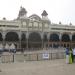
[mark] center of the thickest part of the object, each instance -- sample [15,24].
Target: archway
[11,36]
[35,40]
[54,39]
[65,40]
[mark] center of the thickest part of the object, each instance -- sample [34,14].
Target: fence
[21,57]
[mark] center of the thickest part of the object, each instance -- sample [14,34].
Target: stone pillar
[70,40]
[3,36]
[60,35]
[42,39]
[27,36]
[60,38]
[27,33]
[70,37]
[20,39]
[48,37]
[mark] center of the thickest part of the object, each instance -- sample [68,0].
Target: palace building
[36,32]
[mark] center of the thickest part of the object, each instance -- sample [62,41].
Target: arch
[34,16]
[12,36]
[23,37]
[54,37]
[73,37]
[34,40]
[65,38]
[1,39]
[34,37]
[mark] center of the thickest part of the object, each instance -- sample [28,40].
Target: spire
[44,13]
[45,17]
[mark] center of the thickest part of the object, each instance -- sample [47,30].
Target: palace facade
[36,32]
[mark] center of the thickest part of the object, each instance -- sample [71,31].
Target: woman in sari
[70,56]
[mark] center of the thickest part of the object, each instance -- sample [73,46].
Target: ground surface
[51,67]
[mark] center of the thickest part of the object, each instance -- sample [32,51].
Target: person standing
[74,55]
[67,55]
[70,56]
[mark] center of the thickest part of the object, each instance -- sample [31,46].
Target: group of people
[70,55]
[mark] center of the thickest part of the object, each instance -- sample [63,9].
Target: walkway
[51,67]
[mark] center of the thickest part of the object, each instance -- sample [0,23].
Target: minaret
[22,13]
[44,15]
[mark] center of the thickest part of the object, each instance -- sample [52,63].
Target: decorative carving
[34,17]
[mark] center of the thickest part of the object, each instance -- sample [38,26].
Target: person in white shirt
[74,54]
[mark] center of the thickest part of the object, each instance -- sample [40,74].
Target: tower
[22,13]
[44,15]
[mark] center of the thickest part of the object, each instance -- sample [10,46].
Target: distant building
[35,32]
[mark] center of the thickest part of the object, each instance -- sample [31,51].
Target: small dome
[44,13]
[22,11]
[70,23]
[4,18]
[59,22]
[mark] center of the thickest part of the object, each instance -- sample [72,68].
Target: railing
[21,57]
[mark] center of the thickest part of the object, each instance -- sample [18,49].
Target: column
[48,39]
[60,36]
[27,36]
[20,40]
[42,39]
[70,40]
[70,37]
[3,36]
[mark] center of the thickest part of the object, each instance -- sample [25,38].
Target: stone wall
[31,57]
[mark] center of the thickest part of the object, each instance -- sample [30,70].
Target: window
[40,25]
[35,24]
[46,25]
[30,24]
[24,24]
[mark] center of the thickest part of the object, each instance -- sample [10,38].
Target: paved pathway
[51,67]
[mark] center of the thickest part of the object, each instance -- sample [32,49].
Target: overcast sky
[58,10]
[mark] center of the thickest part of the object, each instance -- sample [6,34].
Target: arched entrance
[12,37]
[34,40]
[65,40]
[54,40]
